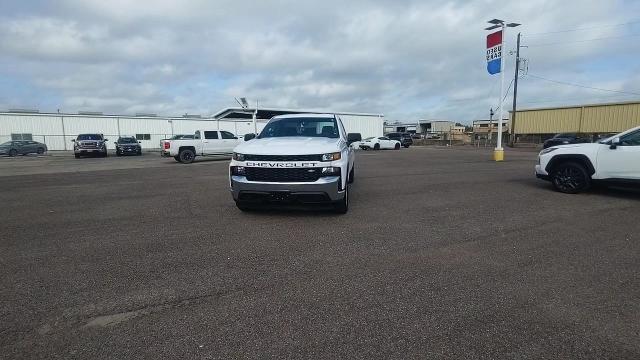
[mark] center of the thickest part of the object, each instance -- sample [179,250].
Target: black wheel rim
[569,179]
[186,156]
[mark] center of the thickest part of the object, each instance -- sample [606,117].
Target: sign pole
[498,153]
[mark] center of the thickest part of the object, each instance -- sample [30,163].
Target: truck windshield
[301,127]
[89,137]
[127,141]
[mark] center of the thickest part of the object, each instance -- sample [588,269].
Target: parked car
[566,138]
[379,143]
[404,138]
[128,145]
[22,147]
[204,143]
[572,168]
[90,144]
[302,158]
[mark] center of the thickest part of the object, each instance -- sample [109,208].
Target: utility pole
[512,139]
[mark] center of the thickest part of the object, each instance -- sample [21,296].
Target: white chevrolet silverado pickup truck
[203,143]
[572,168]
[296,159]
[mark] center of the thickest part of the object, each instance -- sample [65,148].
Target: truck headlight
[331,156]
[238,156]
[238,170]
[330,171]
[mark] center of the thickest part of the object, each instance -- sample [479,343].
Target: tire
[77,156]
[352,175]
[397,147]
[186,156]
[570,178]
[139,152]
[118,153]
[40,151]
[106,154]
[13,152]
[376,147]
[342,206]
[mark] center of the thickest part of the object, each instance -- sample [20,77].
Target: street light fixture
[498,153]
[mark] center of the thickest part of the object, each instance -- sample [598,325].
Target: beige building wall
[598,118]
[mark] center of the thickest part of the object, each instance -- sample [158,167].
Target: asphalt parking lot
[443,254]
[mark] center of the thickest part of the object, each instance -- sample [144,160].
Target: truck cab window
[210,135]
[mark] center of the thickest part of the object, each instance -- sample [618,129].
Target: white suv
[572,168]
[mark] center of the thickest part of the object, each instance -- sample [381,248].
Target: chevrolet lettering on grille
[270,164]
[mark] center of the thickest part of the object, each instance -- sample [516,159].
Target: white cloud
[409,60]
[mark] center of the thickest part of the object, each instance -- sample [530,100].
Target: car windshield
[89,137]
[8,143]
[301,127]
[127,140]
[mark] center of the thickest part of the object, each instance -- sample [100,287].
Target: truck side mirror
[614,143]
[353,137]
[248,137]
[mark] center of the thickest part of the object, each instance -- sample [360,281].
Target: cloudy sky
[406,59]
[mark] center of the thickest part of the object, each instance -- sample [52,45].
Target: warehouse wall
[603,118]
[57,131]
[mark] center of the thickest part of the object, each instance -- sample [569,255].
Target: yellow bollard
[498,155]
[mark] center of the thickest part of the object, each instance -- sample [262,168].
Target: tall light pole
[498,153]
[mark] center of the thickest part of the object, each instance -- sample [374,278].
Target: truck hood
[289,146]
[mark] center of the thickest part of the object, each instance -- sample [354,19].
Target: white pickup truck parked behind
[298,159]
[204,143]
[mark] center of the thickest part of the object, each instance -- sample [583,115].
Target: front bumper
[325,189]
[89,151]
[541,173]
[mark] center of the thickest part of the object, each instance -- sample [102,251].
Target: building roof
[579,106]
[267,113]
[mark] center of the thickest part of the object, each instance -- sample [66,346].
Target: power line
[582,29]
[583,86]
[506,93]
[584,41]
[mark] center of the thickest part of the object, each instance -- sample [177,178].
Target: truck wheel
[570,178]
[352,175]
[342,206]
[40,151]
[186,156]
[397,147]
[376,147]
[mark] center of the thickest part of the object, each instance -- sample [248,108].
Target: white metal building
[57,129]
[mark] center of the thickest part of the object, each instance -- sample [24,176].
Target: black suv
[128,145]
[404,138]
[566,138]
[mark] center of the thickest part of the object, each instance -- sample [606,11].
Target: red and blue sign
[494,52]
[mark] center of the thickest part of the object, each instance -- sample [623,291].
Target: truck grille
[283,157]
[283,175]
